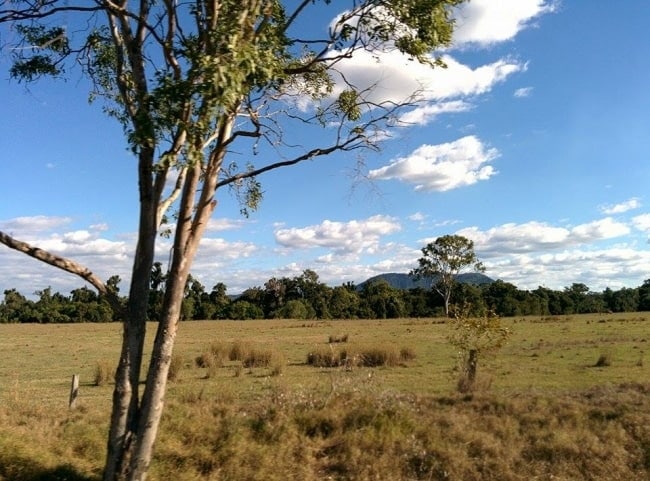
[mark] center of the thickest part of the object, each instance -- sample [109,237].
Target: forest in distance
[306,297]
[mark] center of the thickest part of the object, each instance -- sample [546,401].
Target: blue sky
[534,143]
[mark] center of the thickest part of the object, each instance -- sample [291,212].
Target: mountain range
[405,281]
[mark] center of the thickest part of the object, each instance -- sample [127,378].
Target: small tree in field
[443,259]
[192,82]
[475,337]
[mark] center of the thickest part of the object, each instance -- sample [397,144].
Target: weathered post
[74,391]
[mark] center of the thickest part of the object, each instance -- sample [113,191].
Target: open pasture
[568,373]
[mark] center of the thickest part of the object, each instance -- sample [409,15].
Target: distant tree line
[306,297]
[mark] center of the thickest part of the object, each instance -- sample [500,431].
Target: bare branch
[65,264]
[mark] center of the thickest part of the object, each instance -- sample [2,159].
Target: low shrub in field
[257,358]
[604,360]
[104,373]
[324,357]
[373,356]
[336,339]
[239,350]
[379,356]
[175,367]
[407,354]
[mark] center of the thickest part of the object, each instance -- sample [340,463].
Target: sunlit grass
[546,405]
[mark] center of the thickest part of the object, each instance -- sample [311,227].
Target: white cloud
[223,224]
[425,114]
[540,237]
[485,22]
[396,79]
[642,222]
[417,217]
[21,226]
[344,237]
[630,204]
[597,268]
[442,167]
[606,228]
[523,92]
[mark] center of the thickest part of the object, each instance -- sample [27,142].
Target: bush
[239,351]
[604,360]
[379,356]
[325,357]
[257,358]
[104,373]
[175,367]
[336,339]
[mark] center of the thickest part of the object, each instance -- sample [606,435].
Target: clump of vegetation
[326,357]
[175,367]
[239,350]
[104,373]
[257,358]
[334,339]
[474,337]
[372,356]
[604,360]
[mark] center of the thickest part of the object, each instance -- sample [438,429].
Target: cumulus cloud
[442,167]
[343,237]
[630,204]
[539,236]
[597,268]
[390,77]
[20,226]
[486,22]
[425,114]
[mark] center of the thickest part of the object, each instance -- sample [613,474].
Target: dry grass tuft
[338,339]
[104,373]
[604,360]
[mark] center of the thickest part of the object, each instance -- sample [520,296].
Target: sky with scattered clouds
[533,142]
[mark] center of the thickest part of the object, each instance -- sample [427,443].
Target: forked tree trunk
[138,450]
[126,402]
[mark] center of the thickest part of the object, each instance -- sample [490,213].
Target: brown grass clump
[104,373]
[372,356]
[175,367]
[338,339]
[604,360]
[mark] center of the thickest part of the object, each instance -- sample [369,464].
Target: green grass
[551,409]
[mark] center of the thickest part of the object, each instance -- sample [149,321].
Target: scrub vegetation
[246,404]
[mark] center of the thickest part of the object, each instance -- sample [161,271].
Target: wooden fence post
[74,391]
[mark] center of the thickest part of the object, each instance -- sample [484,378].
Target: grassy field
[566,398]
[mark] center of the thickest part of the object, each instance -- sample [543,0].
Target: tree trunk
[189,230]
[125,412]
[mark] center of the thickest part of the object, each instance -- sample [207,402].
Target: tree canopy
[443,259]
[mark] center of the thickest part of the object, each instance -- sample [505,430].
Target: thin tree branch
[65,264]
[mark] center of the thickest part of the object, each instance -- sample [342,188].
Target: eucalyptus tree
[443,259]
[191,82]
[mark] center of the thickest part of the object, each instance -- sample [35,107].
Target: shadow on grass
[17,468]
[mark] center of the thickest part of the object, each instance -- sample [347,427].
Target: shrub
[604,360]
[379,356]
[336,339]
[324,357]
[277,364]
[407,354]
[175,367]
[104,373]
[257,358]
